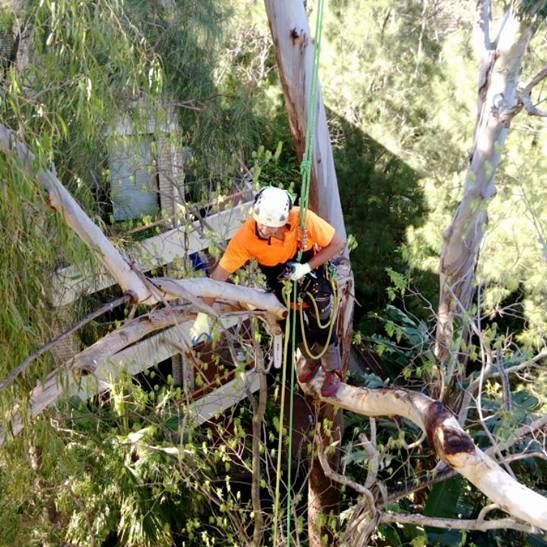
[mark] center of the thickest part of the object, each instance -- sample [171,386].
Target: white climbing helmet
[271,207]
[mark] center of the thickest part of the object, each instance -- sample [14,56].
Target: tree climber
[273,237]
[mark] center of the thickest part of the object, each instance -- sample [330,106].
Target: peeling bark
[294,53]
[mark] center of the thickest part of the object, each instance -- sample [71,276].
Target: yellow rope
[286,293]
[330,323]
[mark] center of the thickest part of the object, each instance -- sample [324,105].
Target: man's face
[266,232]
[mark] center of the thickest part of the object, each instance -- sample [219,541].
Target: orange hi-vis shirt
[246,244]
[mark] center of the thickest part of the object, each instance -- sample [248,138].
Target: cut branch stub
[446,441]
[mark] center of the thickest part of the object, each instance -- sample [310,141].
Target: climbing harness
[329,323]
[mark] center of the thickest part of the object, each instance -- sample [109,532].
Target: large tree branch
[130,279]
[227,292]
[443,472]
[525,92]
[61,201]
[450,442]
[482,27]
[87,362]
[64,380]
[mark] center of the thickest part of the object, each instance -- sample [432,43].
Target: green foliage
[83,60]
[87,60]
[408,82]
[400,111]
[120,470]
[381,199]
[32,242]
[535,11]
[443,501]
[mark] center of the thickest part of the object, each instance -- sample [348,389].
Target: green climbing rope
[313,107]
[305,171]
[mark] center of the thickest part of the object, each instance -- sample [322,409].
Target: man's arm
[326,253]
[298,271]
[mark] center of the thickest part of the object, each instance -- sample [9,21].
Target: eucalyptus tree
[415,98]
[292,39]
[69,71]
[447,437]
[449,442]
[501,95]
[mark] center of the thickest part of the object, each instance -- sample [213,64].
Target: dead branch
[456,524]
[450,442]
[74,328]
[209,288]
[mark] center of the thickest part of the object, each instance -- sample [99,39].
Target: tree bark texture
[497,99]
[294,53]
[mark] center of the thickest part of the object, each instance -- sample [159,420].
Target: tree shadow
[381,198]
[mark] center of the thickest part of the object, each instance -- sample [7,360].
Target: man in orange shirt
[273,237]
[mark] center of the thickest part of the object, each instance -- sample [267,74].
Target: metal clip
[278,350]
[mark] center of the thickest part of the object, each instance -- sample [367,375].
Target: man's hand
[298,271]
[201,329]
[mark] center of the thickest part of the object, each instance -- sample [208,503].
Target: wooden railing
[70,283]
[151,253]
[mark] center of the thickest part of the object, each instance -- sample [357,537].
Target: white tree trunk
[294,52]
[497,100]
